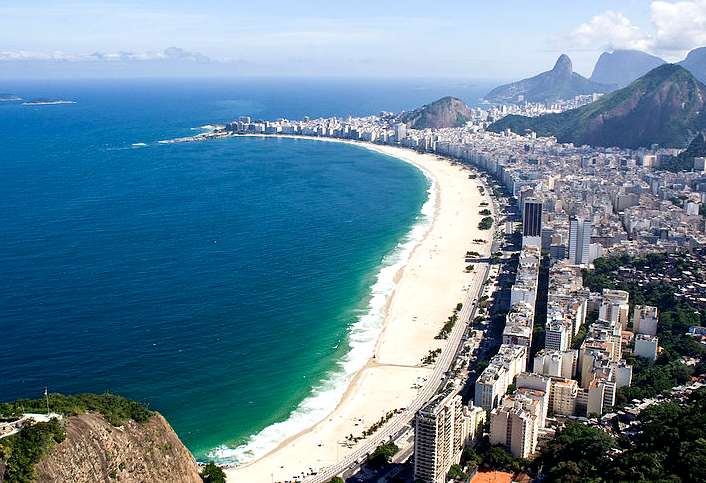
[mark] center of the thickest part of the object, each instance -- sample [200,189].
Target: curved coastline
[363,337]
[427,287]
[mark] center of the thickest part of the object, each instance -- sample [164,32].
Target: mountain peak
[559,83]
[622,66]
[666,71]
[666,106]
[447,100]
[563,65]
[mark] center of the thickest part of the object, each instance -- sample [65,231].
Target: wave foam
[362,339]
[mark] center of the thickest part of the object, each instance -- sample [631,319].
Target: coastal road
[448,355]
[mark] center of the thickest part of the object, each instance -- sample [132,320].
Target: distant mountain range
[621,67]
[612,71]
[695,63]
[559,83]
[666,106]
[442,113]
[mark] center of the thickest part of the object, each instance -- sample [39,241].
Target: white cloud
[607,31]
[169,54]
[677,27]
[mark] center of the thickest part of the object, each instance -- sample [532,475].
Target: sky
[502,39]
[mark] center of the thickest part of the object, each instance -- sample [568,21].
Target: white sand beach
[429,286]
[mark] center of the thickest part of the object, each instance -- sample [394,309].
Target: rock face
[667,106]
[695,63]
[621,67]
[559,83]
[444,112]
[94,450]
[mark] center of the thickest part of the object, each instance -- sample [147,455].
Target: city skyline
[317,39]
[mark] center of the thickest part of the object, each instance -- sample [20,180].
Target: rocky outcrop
[96,451]
[442,113]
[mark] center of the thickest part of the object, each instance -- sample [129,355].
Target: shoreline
[405,247]
[427,286]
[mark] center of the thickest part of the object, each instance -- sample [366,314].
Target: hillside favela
[322,243]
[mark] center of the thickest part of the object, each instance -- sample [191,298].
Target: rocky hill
[99,438]
[442,113]
[559,83]
[621,67]
[95,450]
[695,62]
[667,106]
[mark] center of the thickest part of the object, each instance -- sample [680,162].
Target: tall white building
[439,436]
[554,363]
[645,319]
[579,241]
[535,386]
[493,382]
[615,306]
[400,132]
[515,424]
[563,396]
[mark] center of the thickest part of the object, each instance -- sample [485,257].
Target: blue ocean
[233,285]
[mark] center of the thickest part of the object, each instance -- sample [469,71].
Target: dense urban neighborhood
[603,312]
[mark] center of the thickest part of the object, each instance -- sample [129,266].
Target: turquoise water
[227,284]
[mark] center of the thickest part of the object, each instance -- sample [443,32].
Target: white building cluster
[516,419]
[511,359]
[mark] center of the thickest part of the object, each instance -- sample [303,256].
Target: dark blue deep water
[215,281]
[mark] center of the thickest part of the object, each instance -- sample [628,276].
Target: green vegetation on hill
[23,450]
[666,106]
[668,446]
[685,160]
[115,409]
[577,453]
[697,147]
[652,378]
[671,446]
